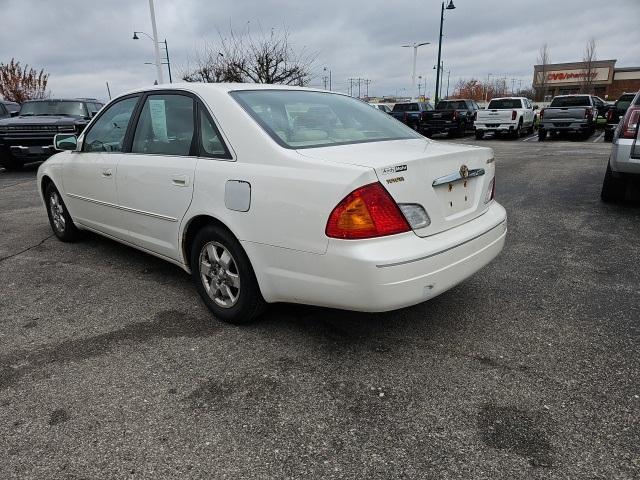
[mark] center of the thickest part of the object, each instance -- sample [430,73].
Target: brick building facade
[603,79]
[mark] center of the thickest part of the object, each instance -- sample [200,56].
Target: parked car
[12,107]
[510,115]
[569,114]
[454,117]
[615,113]
[381,106]
[264,199]
[29,136]
[412,114]
[624,162]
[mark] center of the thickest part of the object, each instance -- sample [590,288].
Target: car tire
[542,135]
[59,218]
[517,132]
[608,135]
[613,189]
[224,277]
[11,163]
[479,134]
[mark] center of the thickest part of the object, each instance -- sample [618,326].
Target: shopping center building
[607,81]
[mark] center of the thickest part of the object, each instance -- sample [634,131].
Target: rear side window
[165,126]
[505,103]
[406,107]
[577,101]
[211,140]
[108,132]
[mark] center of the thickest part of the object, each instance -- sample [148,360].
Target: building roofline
[596,63]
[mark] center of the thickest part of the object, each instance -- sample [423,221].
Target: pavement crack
[14,184]
[26,249]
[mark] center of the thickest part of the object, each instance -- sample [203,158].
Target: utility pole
[351,86]
[367,82]
[448,77]
[156,47]
[324,79]
[359,84]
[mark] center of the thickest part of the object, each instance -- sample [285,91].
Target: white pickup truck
[512,115]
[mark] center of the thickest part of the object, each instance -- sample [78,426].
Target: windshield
[305,119]
[75,109]
[578,101]
[451,106]
[406,107]
[504,104]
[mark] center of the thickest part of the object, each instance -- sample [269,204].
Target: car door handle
[107,172]
[180,180]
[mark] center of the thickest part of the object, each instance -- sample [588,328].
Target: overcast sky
[84,43]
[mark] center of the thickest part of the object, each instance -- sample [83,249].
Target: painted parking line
[598,138]
[528,139]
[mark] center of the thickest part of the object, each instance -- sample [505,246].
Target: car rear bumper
[380,274]
[620,159]
[499,127]
[566,126]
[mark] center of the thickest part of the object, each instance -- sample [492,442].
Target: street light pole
[166,49]
[415,56]
[156,47]
[451,6]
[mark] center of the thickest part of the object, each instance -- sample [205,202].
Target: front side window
[166,126]
[107,133]
[306,119]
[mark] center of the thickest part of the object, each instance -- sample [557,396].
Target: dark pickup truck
[29,136]
[453,117]
[412,114]
[615,113]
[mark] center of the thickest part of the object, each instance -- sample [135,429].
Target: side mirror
[65,141]
[535,107]
[93,114]
[15,114]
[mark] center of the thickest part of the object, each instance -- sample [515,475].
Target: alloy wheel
[219,274]
[57,212]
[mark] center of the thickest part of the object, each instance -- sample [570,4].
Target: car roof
[509,98]
[197,87]
[63,100]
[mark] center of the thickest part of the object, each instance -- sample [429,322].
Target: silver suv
[624,162]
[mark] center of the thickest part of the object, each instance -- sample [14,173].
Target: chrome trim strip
[456,177]
[442,251]
[126,209]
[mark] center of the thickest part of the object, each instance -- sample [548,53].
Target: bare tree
[543,61]
[266,58]
[18,84]
[589,59]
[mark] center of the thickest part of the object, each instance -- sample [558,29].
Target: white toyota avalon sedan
[278,194]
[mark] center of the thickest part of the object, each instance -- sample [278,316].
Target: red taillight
[588,112]
[455,114]
[366,212]
[541,113]
[630,122]
[609,115]
[514,114]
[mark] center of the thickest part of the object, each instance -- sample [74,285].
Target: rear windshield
[624,102]
[406,107]
[74,109]
[504,103]
[459,105]
[578,101]
[306,119]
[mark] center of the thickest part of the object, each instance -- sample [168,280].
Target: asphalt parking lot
[111,367]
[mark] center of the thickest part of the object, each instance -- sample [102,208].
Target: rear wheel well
[195,224]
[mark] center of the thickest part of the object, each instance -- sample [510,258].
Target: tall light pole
[415,55]
[451,6]
[486,88]
[156,47]
[166,49]
[328,70]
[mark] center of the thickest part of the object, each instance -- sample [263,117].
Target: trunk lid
[495,116]
[426,173]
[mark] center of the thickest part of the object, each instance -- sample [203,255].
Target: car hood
[42,120]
